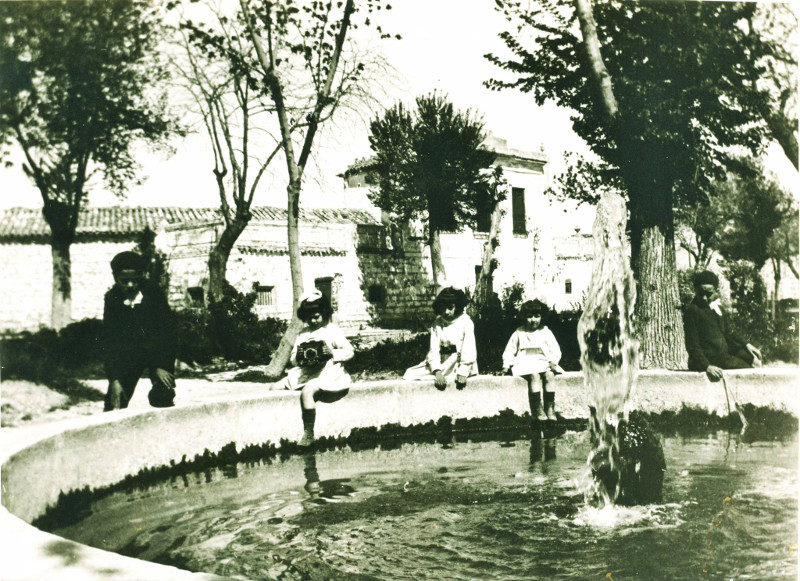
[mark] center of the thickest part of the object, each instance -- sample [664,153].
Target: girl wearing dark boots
[317,357]
[533,353]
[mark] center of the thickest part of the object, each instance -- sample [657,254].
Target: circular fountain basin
[41,462]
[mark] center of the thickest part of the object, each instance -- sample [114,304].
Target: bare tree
[235,115]
[309,75]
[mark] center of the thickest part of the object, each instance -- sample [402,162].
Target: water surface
[474,510]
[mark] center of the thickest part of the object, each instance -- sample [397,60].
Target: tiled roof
[284,250]
[117,222]
[362,164]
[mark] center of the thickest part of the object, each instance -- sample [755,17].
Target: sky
[442,48]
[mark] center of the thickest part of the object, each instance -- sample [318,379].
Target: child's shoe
[535,401]
[550,406]
[309,419]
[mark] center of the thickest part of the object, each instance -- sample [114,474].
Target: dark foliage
[56,359]
[750,317]
[390,356]
[228,328]
[157,262]
[430,163]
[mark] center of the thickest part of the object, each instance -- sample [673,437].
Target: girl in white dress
[317,357]
[533,353]
[452,355]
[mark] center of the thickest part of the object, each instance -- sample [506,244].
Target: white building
[545,244]
[375,273]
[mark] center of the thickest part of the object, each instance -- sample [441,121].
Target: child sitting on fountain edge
[533,353]
[317,357]
[452,354]
[710,343]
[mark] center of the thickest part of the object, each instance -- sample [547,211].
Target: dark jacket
[139,336]
[709,340]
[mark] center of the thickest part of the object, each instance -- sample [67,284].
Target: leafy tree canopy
[753,209]
[680,75]
[79,85]
[430,163]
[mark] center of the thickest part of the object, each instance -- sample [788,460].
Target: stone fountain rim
[29,553]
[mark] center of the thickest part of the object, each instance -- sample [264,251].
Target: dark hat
[127,261]
[706,277]
[314,302]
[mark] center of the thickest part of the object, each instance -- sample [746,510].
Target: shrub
[392,355]
[81,347]
[686,287]
[55,359]
[564,326]
[194,342]
[749,314]
[782,344]
[236,330]
[496,322]
[228,328]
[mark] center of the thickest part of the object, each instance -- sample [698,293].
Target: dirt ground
[23,403]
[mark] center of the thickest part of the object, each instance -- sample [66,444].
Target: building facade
[376,272]
[545,245]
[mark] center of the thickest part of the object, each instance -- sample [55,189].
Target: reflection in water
[543,445]
[322,491]
[504,510]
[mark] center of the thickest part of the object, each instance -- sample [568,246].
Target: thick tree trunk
[218,258]
[61,302]
[658,320]
[659,325]
[437,266]
[280,357]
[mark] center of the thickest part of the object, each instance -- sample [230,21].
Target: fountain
[627,461]
[411,485]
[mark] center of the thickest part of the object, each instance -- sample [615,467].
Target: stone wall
[27,280]
[260,260]
[395,275]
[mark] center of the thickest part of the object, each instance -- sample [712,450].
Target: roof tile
[114,222]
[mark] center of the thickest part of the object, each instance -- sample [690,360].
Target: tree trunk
[437,266]
[659,324]
[218,258]
[658,318]
[482,286]
[61,302]
[281,356]
[776,283]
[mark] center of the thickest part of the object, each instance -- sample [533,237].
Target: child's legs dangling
[535,397]
[308,410]
[549,395]
[309,396]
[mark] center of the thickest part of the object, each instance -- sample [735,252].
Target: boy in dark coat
[138,334]
[711,345]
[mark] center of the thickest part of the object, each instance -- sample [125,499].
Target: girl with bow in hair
[317,357]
